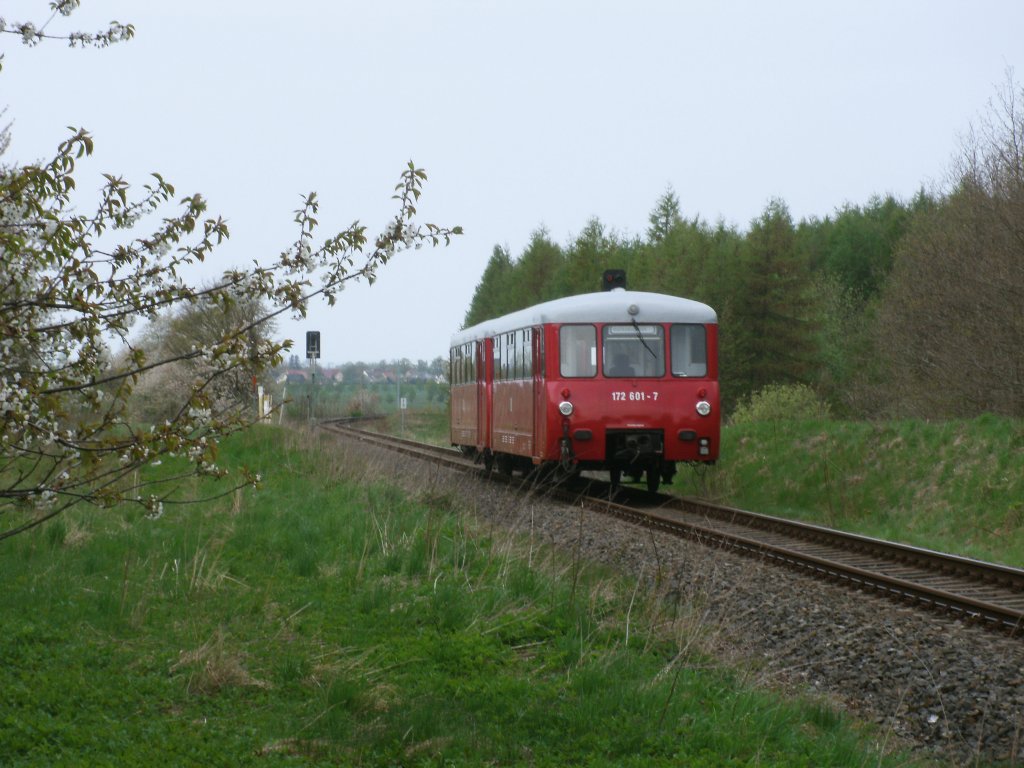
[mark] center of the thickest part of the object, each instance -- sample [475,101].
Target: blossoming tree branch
[74,281]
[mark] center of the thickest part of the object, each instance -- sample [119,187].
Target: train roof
[601,307]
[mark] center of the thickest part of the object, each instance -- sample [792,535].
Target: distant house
[302,375]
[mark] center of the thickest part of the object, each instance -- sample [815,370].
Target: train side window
[578,350]
[501,369]
[519,354]
[526,353]
[689,350]
[510,356]
[511,369]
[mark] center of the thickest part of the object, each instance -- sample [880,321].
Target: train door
[539,395]
[482,366]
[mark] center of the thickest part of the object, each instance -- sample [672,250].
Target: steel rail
[1001,602]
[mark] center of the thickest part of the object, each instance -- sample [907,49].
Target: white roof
[602,307]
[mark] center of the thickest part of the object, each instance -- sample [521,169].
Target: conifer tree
[769,339]
[490,298]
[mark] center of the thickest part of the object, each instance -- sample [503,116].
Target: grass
[333,400]
[956,486]
[326,620]
[424,426]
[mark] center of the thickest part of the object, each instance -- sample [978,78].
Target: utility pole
[399,401]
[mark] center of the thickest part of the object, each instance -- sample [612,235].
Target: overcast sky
[524,113]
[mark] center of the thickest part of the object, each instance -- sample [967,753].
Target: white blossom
[29,34]
[64,396]
[155,507]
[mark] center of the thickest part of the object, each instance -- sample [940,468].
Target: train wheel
[616,477]
[505,463]
[653,479]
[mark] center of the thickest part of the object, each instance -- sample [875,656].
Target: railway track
[986,593]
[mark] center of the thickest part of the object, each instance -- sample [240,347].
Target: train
[616,381]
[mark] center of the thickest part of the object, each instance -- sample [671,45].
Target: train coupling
[627,447]
[567,457]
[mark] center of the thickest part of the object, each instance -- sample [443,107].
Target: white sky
[524,113]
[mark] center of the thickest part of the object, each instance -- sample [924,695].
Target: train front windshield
[633,351]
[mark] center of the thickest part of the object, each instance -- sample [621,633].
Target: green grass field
[323,620]
[955,486]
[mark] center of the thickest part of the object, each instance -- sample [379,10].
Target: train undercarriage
[636,454]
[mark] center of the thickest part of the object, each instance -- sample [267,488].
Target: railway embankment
[955,486]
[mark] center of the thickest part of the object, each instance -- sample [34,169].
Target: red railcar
[622,381]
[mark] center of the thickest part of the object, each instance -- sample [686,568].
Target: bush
[781,402]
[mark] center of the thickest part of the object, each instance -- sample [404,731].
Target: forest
[887,309]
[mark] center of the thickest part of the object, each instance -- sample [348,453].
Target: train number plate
[635,396]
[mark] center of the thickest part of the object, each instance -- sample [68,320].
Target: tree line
[889,309]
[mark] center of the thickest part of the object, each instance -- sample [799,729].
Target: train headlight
[565,408]
[704,408]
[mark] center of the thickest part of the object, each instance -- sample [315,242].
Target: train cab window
[633,351]
[689,350]
[578,350]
